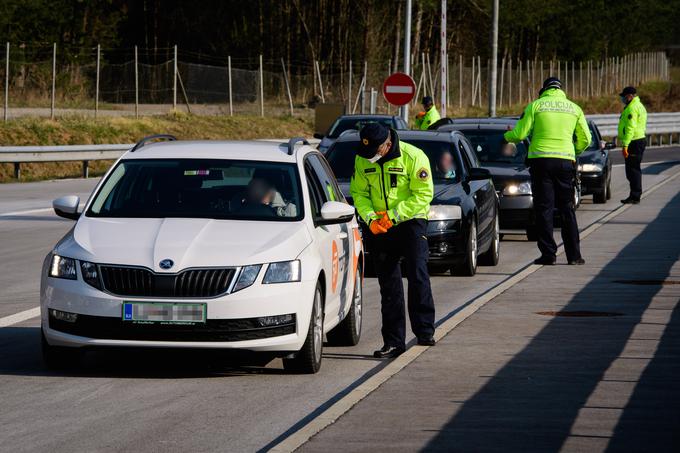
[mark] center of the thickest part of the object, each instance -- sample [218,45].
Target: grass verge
[75,130]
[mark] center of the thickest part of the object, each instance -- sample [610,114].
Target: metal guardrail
[658,124]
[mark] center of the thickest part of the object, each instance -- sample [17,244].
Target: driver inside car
[445,167]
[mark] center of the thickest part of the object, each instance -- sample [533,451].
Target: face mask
[375,158]
[624,101]
[451,174]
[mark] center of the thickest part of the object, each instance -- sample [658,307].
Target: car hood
[188,242]
[592,156]
[504,173]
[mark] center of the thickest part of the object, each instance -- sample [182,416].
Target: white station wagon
[207,244]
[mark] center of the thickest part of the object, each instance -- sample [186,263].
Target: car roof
[479,123]
[263,150]
[367,116]
[435,136]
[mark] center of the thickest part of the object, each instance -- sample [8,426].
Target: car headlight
[90,274]
[62,267]
[523,188]
[444,212]
[247,276]
[287,271]
[590,167]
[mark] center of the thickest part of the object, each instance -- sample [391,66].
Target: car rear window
[441,154]
[200,188]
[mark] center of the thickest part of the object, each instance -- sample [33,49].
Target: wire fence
[140,81]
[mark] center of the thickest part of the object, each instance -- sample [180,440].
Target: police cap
[372,136]
[628,90]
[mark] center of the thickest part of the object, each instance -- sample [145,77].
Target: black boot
[388,352]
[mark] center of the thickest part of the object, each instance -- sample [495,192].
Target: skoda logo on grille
[166,264]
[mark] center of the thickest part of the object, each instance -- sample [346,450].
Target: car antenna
[151,138]
[294,141]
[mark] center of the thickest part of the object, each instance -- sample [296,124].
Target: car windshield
[444,165]
[343,124]
[200,188]
[488,144]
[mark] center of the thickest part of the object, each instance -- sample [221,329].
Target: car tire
[492,255]
[308,359]
[532,233]
[609,186]
[58,357]
[469,266]
[348,332]
[600,196]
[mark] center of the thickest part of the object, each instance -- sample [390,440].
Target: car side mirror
[67,207]
[609,145]
[478,174]
[333,212]
[319,136]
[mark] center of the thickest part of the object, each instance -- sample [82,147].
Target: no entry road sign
[399,89]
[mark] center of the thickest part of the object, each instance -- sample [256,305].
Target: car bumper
[446,241]
[591,182]
[516,212]
[233,321]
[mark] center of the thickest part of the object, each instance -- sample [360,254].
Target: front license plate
[160,312]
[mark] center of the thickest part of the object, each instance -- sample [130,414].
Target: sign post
[399,89]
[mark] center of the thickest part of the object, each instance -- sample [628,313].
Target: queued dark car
[463,227]
[510,173]
[346,123]
[595,167]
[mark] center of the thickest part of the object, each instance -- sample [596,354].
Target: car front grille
[141,282]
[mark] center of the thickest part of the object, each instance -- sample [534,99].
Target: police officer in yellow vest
[428,116]
[552,121]
[632,132]
[392,190]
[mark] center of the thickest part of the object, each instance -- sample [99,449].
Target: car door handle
[342,235]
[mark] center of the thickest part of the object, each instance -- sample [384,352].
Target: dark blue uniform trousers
[633,171]
[552,185]
[407,240]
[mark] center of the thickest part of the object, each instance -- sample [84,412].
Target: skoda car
[510,173]
[463,227]
[595,167]
[346,123]
[227,245]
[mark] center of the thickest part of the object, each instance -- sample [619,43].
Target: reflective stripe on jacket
[632,122]
[552,120]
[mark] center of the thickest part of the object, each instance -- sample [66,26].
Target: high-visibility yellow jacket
[633,122]
[427,120]
[401,186]
[552,120]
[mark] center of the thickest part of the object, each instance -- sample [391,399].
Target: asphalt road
[174,400]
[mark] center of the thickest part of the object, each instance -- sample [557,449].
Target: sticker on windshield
[196,172]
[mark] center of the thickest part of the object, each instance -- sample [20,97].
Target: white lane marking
[19,317]
[644,164]
[342,406]
[30,211]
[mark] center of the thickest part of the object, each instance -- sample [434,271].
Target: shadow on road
[21,355]
[533,401]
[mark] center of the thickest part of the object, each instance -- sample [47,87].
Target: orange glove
[385,221]
[376,227]
[624,151]
[420,114]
